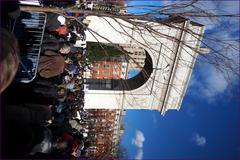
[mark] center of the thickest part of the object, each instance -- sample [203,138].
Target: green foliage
[99,52]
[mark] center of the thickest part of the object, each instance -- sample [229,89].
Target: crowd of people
[46,118]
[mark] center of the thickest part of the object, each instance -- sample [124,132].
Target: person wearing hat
[54,21]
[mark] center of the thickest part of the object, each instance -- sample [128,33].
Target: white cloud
[215,83]
[155,121]
[199,140]
[138,142]
[215,7]
[215,73]
[193,81]
[221,7]
[139,139]
[208,83]
[139,155]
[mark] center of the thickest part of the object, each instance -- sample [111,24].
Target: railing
[29,29]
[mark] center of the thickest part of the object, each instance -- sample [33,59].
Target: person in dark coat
[51,64]
[22,128]
[21,140]
[54,21]
[51,42]
[18,139]
[9,11]
[28,114]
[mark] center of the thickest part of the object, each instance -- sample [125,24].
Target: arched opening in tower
[144,71]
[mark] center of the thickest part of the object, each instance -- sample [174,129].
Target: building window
[115,73]
[95,72]
[96,65]
[106,65]
[106,72]
[108,85]
[115,66]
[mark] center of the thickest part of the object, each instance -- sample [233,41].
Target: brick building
[109,69]
[106,126]
[118,67]
[106,129]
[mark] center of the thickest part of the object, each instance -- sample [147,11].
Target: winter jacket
[51,64]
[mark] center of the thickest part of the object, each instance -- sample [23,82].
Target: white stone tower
[163,82]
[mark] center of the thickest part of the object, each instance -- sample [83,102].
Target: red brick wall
[107,69]
[104,131]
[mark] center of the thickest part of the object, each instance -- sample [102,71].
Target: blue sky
[132,73]
[206,126]
[201,128]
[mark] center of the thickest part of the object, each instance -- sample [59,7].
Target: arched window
[124,84]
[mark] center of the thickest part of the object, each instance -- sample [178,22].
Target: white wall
[156,93]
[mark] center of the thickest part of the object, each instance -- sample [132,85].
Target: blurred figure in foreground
[9,58]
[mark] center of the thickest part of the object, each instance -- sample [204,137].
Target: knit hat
[62,20]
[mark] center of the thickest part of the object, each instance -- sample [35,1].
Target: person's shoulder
[50,52]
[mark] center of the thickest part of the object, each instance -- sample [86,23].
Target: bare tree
[224,51]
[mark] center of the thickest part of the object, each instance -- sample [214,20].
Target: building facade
[106,124]
[109,70]
[137,56]
[107,129]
